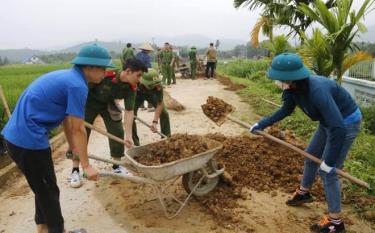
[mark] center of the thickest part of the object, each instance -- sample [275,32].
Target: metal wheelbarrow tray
[200,173]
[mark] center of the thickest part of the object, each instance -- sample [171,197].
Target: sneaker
[299,198]
[75,180]
[121,170]
[205,78]
[327,225]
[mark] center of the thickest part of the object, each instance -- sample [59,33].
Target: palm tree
[277,46]
[342,25]
[278,13]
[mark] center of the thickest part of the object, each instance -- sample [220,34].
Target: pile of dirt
[216,109]
[254,163]
[171,103]
[178,146]
[230,86]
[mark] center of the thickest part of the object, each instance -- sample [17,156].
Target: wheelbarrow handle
[143,122]
[305,154]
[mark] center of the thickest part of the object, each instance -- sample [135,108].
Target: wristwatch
[155,122]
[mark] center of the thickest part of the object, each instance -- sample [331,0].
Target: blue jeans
[311,169]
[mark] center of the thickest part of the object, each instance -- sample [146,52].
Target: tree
[278,13]
[279,45]
[1,61]
[5,61]
[342,24]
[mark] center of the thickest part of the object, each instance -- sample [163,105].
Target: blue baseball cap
[288,66]
[93,55]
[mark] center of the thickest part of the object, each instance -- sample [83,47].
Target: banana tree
[342,24]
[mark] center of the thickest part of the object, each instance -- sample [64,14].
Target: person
[102,100]
[126,54]
[53,98]
[166,60]
[193,62]
[323,100]
[211,61]
[144,55]
[175,64]
[150,89]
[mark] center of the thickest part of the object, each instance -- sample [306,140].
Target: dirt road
[116,206]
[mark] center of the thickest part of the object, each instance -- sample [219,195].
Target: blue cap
[288,66]
[93,55]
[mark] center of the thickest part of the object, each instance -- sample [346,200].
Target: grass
[361,161]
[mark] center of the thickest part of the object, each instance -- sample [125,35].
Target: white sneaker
[121,170]
[75,180]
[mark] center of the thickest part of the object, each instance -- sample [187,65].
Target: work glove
[254,128]
[327,169]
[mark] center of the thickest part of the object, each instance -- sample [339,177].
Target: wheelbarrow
[200,173]
[185,71]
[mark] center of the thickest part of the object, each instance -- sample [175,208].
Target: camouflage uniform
[127,53]
[193,62]
[166,57]
[100,98]
[153,94]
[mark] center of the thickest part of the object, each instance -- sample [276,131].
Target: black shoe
[326,225]
[299,199]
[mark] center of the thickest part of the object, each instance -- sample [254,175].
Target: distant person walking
[211,61]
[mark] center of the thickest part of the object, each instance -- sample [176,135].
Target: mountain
[18,55]
[200,41]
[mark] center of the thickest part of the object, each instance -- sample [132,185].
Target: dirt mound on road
[258,164]
[178,146]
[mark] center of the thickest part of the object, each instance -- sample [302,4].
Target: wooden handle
[302,152]
[111,136]
[4,101]
[143,122]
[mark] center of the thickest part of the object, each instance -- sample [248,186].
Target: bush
[369,118]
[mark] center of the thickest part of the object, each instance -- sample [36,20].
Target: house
[33,60]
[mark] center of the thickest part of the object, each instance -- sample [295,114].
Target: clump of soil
[178,146]
[216,109]
[230,86]
[254,163]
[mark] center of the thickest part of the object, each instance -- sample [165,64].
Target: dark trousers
[210,67]
[37,166]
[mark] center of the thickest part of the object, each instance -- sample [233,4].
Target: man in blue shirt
[339,118]
[54,98]
[144,56]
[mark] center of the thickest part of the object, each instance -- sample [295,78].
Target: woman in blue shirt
[339,118]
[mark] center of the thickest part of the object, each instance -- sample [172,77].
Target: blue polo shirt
[44,105]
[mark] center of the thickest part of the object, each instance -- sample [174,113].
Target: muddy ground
[114,205]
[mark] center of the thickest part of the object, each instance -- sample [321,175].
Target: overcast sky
[43,24]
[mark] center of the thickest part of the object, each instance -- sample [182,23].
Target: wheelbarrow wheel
[190,180]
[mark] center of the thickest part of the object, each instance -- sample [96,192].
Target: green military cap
[150,79]
[193,47]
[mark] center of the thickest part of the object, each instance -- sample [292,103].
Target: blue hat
[288,66]
[93,55]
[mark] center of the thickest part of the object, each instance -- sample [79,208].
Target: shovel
[142,121]
[290,146]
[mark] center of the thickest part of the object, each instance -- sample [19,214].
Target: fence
[364,70]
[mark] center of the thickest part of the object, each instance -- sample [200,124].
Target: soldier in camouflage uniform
[193,62]
[101,101]
[176,64]
[166,60]
[151,90]
[126,54]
